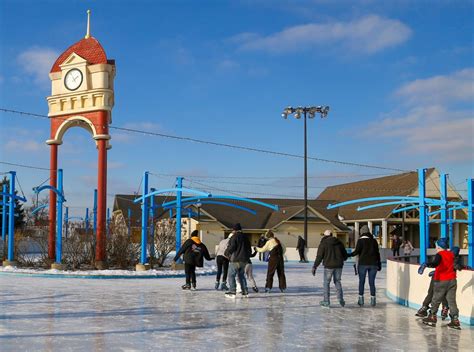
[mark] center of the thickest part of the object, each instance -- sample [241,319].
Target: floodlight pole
[312,110]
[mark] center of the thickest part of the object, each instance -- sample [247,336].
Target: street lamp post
[307,111]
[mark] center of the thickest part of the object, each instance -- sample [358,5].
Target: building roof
[265,218]
[88,48]
[404,184]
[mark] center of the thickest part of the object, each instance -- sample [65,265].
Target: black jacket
[194,251]
[239,249]
[367,249]
[331,252]
[301,243]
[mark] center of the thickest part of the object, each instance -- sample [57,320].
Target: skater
[445,284]
[222,265]
[332,253]
[369,263]
[249,273]
[194,251]
[261,242]
[239,251]
[275,261]
[407,248]
[396,243]
[300,247]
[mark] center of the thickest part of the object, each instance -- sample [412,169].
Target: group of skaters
[443,285]
[234,265]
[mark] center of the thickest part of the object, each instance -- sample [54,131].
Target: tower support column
[100,254]
[53,166]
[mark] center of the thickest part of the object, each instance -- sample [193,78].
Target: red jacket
[445,269]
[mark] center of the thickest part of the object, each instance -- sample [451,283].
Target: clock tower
[82,95]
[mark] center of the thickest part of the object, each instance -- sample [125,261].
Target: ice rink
[51,314]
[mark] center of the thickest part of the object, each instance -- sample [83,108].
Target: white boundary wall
[408,288]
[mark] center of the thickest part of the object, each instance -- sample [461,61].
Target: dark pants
[275,263]
[445,289]
[222,267]
[301,251]
[396,252]
[371,271]
[429,296]
[190,271]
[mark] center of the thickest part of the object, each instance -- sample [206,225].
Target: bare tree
[165,240]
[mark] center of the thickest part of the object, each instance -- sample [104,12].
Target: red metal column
[100,255]
[52,202]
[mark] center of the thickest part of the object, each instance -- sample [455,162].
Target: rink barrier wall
[406,287]
[103,277]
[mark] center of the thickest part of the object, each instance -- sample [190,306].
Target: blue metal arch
[198,199]
[248,210]
[168,190]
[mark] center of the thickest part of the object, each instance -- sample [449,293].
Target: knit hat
[327,233]
[237,227]
[455,250]
[364,229]
[442,243]
[269,234]
[195,233]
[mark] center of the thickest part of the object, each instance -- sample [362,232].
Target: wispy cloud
[37,62]
[25,146]
[455,87]
[366,35]
[434,123]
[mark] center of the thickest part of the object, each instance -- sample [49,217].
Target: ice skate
[342,303]
[373,301]
[430,320]
[422,312]
[245,294]
[444,313]
[282,290]
[193,288]
[268,290]
[360,301]
[454,324]
[216,286]
[224,286]
[186,287]
[255,289]
[230,294]
[324,304]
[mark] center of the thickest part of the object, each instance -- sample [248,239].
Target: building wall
[288,233]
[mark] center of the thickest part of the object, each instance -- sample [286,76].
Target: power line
[25,166]
[201,141]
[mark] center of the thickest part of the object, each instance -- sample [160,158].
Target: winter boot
[324,304]
[216,286]
[454,324]
[186,287]
[373,301]
[194,287]
[360,302]
[282,290]
[430,320]
[255,289]
[342,303]
[224,286]
[245,294]
[444,313]
[422,312]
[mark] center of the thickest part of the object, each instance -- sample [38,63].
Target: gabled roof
[404,184]
[266,218]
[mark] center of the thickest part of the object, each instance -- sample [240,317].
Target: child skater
[194,251]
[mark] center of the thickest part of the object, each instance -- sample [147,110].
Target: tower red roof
[87,48]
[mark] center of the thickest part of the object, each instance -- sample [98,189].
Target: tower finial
[88,33]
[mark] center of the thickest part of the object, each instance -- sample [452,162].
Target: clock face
[73,79]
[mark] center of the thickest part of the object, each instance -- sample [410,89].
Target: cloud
[367,35]
[227,65]
[455,87]
[37,62]
[435,123]
[25,146]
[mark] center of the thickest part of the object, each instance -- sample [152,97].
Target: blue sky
[398,76]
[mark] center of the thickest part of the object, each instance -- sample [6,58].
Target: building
[381,220]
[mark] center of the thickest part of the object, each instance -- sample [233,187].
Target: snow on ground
[57,314]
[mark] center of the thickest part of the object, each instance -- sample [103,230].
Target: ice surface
[56,314]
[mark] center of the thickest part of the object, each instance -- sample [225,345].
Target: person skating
[407,248]
[261,242]
[332,254]
[369,263]
[239,251]
[222,265]
[445,284]
[396,243]
[300,247]
[249,273]
[275,261]
[193,251]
